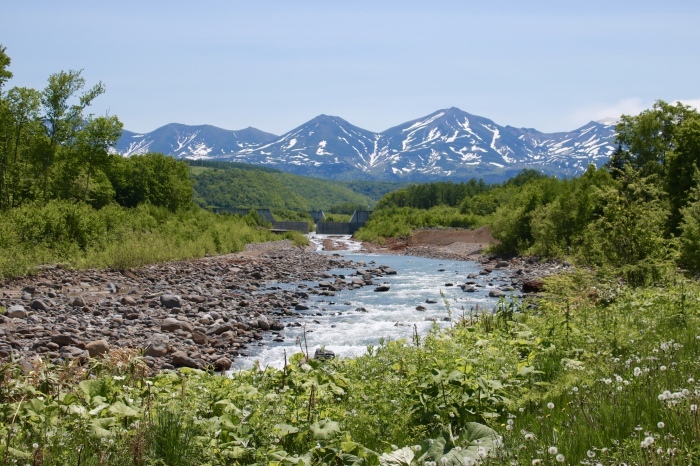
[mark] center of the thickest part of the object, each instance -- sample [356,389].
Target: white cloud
[611,112]
[695,103]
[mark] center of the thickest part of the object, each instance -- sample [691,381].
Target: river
[336,323]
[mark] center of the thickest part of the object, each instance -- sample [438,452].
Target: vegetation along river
[353,319]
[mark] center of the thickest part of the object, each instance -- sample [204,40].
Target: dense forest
[238,185]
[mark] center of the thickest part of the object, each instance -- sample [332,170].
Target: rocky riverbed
[197,313]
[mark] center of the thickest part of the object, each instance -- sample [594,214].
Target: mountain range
[447,144]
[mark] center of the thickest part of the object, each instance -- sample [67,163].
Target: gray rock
[16,312]
[171,325]
[496,294]
[182,359]
[97,348]
[64,340]
[170,301]
[381,288]
[39,305]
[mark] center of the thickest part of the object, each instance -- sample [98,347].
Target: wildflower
[509,427]
[560,458]
[659,451]
[509,422]
[536,461]
[693,408]
[552,450]
[691,381]
[660,425]
[590,454]
[35,446]
[530,436]
[417,448]
[550,405]
[662,368]
[647,442]
[458,448]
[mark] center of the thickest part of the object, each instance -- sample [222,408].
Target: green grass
[591,370]
[77,236]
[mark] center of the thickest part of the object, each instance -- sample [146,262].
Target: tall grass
[76,235]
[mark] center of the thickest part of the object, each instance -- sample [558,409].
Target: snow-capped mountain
[192,142]
[447,144]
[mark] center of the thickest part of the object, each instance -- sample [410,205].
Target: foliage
[233,187]
[592,370]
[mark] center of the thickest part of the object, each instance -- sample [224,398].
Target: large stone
[64,340]
[382,288]
[39,305]
[97,348]
[181,359]
[263,324]
[533,286]
[222,364]
[171,325]
[496,294]
[170,301]
[16,312]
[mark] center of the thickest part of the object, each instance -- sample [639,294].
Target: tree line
[52,148]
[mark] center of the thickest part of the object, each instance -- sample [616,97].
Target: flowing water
[336,324]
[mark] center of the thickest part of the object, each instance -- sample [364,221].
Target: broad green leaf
[99,428]
[284,429]
[325,429]
[120,409]
[401,457]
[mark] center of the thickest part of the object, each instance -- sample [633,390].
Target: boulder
[533,286]
[222,364]
[182,359]
[381,288]
[64,340]
[39,305]
[496,294]
[97,348]
[170,301]
[323,354]
[16,312]
[171,325]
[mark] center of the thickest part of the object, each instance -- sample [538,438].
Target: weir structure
[358,220]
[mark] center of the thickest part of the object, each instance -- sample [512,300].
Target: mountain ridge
[446,144]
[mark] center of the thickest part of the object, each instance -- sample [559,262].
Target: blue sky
[551,65]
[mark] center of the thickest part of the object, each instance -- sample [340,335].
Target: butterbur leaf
[325,429]
[401,457]
[99,428]
[284,429]
[477,442]
[120,409]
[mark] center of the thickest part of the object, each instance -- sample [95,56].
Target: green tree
[62,118]
[93,141]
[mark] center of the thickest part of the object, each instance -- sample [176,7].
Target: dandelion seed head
[662,368]
[552,450]
[590,454]
[693,408]
[560,458]
[660,425]
[550,405]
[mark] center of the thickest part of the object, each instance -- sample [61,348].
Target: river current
[337,324]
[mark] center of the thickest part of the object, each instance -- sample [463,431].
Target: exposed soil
[439,244]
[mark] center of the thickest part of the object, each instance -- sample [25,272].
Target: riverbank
[525,273]
[197,313]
